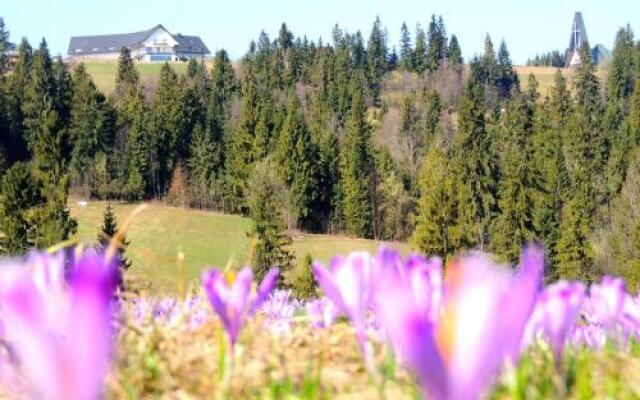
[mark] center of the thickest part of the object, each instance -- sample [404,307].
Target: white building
[155,44]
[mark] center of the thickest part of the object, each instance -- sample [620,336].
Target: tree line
[292,136]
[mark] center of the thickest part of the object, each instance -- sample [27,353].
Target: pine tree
[240,146]
[455,53]
[376,58]
[413,138]
[138,151]
[302,282]
[621,76]
[202,166]
[268,233]
[20,194]
[108,233]
[52,218]
[326,141]
[4,46]
[39,89]
[550,131]
[16,93]
[406,50]
[420,59]
[437,48]
[356,166]
[514,226]
[575,254]
[587,147]
[165,129]
[507,79]
[444,225]
[474,160]
[90,128]
[430,118]
[127,78]
[297,159]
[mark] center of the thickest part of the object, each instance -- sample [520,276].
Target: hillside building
[155,44]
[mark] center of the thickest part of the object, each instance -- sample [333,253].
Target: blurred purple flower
[556,314]
[234,304]
[481,323]
[347,282]
[321,312]
[606,301]
[61,332]
[280,309]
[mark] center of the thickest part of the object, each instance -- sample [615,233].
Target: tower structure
[577,39]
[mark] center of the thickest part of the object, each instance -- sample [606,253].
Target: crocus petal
[607,300]
[66,358]
[556,313]
[265,288]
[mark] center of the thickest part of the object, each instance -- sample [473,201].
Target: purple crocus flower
[482,319]
[61,332]
[321,312]
[280,309]
[606,301]
[556,314]
[347,282]
[234,304]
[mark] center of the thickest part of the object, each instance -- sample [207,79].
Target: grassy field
[104,73]
[160,232]
[544,76]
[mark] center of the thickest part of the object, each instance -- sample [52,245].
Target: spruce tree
[406,50]
[20,195]
[621,76]
[356,167]
[474,159]
[40,87]
[298,167]
[587,146]
[437,47]
[376,58]
[108,233]
[420,58]
[165,129]
[240,145]
[412,137]
[507,79]
[202,166]
[574,251]
[16,94]
[455,52]
[269,237]
[444,226]
[53,220]
[90,128]
[4,46]
[514,226]
[550,131]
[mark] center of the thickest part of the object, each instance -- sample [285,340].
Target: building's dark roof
[190,44]
[83,45]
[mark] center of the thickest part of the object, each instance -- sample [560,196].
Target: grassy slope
[104,72]
[206,238]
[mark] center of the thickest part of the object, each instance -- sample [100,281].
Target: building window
[95,49]
[78,50]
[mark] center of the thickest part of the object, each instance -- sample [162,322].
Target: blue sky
[528,26]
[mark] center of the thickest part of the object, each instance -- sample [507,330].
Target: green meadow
[160,232]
